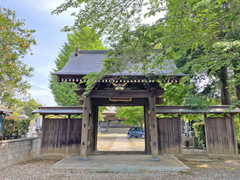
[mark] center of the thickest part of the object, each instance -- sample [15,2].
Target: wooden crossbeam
[124,93]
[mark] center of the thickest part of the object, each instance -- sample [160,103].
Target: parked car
[136,132]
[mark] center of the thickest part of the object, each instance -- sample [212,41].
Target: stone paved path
[119,142]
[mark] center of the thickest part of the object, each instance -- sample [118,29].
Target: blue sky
[49,38]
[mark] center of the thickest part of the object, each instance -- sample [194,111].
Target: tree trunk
[238,93]
[225,93]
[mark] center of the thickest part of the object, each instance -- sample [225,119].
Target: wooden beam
[106,102]
[159,100]
[153,125]
[124,93]
[84,134]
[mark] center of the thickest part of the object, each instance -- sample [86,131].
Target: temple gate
[162,135]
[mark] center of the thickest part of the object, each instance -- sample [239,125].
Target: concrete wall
[19,150]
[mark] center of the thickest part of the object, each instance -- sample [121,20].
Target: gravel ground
[219,168]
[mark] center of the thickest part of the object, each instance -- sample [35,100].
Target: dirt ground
[119,142]
[200,169]
[202,166]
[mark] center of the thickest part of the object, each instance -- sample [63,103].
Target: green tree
[15,42]
[85,39]
[131,115]
[29,106]
[100,111]
[186,25]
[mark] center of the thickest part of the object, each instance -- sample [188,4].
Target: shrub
[15,128]
[199,129]
[237,126]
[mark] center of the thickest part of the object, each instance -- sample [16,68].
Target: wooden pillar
[234,136]
[147,132]
[95,127]
[42,133]
[90,131]
[84,134]
[153,125]
[180,134]
[206,133]
[108,123]
[68,133]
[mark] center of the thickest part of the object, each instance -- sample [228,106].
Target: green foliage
[84,39]
[197,102]
[167,116]
[29,106]
[199,129]
[100,111]
[207,31]
[13,128]
[184,94]
[15,42]
[131,115]
[237,126]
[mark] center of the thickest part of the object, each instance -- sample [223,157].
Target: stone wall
[19,150]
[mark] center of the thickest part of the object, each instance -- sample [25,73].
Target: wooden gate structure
[162,135]
[219,130]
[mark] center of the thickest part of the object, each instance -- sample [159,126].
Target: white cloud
[38,86]
[44,96]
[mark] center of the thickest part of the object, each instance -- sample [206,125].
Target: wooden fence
[61,135]
[169,136]
[221,135]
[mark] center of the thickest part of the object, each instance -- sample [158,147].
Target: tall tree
[185,25]
[131,115]
[29,106]
[15,42]
[84,39]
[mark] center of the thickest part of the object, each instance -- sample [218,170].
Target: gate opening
[193,139]
[121,128]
